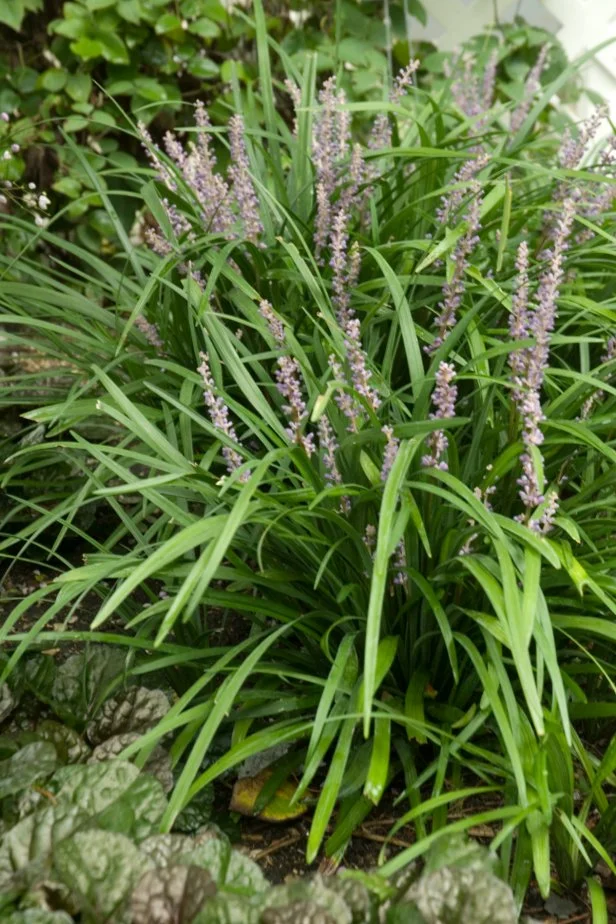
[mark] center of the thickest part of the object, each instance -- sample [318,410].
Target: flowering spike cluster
[596,397]
[572,149]
[243,188]
[464,89]
[165,175]
[288,377]
[519,320]
[380,134]
[401,577]
[288,381]
[528,366]
[444,400]
[461,183]
[345,275]
[391,450]
[600,196]
[196,163]
[220,417]
[331,148]
[532,84]
[342,397]
[329,445]
[296,97]
[370,539]
[454,289]
[327,144]
[149,331]
[489,81]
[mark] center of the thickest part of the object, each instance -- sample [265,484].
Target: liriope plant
[361,397]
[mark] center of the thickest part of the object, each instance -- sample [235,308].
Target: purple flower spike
[149,331]
[532,84]
[529,365]
[391,450]
[220,417]
[444,400]
[454,290]
[288,379]
[239,173]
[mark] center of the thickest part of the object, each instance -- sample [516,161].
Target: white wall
[578,24]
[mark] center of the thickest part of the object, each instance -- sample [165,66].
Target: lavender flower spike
[519,321]
[532,84]
[149,331]
[288,379]
[219,415]
[243,188]
[444,400]
[328,444]
[454,290]
[391,450]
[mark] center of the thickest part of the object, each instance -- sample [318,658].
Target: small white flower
[43,201]
[41,221]
[15,148]
[3,200]
[299,17]
[184,24]
[7,155]
[4,116]
[51,58]
[31,185]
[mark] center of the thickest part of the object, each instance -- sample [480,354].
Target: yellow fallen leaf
[246,791]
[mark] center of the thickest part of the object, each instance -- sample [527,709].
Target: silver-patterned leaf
[26,849]
[305,900]
[33,762]
[166,849]
[102,869]
[231,870]
[457,895]
[134,710]
[230,909]
[83,681]
[38,916]
[7,701]
[158,763]
[69,745]
[116,794]
[172,895]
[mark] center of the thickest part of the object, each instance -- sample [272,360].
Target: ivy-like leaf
[172,895]
[33,762]
[101,868]
[134,710]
